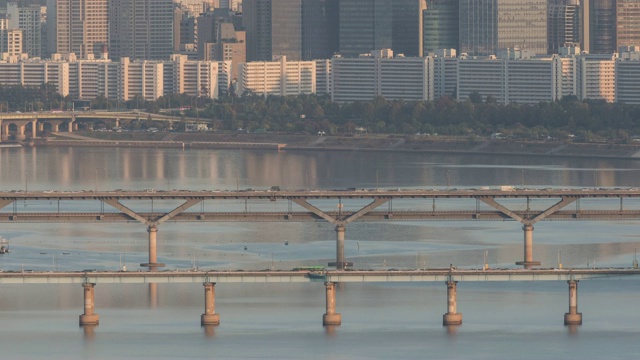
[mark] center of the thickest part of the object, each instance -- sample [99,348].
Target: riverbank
[362,142]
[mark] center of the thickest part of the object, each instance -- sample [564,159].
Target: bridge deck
[439,275]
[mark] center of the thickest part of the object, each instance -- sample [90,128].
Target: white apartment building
[278,78]
[484,76]
[596,77]
[381,74]
[533,81]
[628,78]
[323,77]
[445,69]
[90,78]
[30,72]
[195,77]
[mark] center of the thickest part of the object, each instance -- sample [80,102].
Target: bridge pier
[573,317]
[34,128]
[89,318]
[452,317]
[331,317]
[209,317]
[153,263]
[20,131]
[340,264]
[528,262]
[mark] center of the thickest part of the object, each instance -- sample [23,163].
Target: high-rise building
[489,25]
[440,21]
[563,24]
[141,29]
[235,5]
[185,33]
[274,28]
[367,25]
[10,40]
[627,23]
[602,26]
[406,27]
[77,26]
[28,19]
[319,29]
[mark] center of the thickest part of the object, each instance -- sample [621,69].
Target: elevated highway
[21,126]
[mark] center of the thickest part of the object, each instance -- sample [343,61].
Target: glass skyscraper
[367,25]
[602,26]
[319,29]
[440,25]
[274,28]
[489,25]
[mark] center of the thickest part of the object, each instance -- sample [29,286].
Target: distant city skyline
[316,29]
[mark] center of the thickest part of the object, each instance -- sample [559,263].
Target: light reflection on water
[500,320]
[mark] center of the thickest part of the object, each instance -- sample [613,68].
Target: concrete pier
[452,317]
[331,317]
[528,262]
[153,263]
[209,317]
[89,317]
[573,317]
[340,264]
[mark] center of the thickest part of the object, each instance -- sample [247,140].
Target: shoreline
[368,143]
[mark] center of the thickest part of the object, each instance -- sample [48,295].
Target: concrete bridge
[450,277]
[22,126]
[337,207]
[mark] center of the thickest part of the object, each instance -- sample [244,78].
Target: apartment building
[381,74]
[279,77]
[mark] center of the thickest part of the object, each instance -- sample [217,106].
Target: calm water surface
[384,321]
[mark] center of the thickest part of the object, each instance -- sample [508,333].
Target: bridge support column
[452,317]
[573,317]
[20,132]
[89,318]
[340,264]
[528,262]
[331,317]
[153,263]
[209,317]
[34,128]
[1,132]
[70,126]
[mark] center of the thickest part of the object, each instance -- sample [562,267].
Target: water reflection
[89,332]
[572,330]
[108,168]
[452,330]
[209,331]
[153,295]
[331,330]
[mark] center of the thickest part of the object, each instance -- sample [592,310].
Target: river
[258,321]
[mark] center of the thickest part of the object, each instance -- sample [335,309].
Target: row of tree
[586,119]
